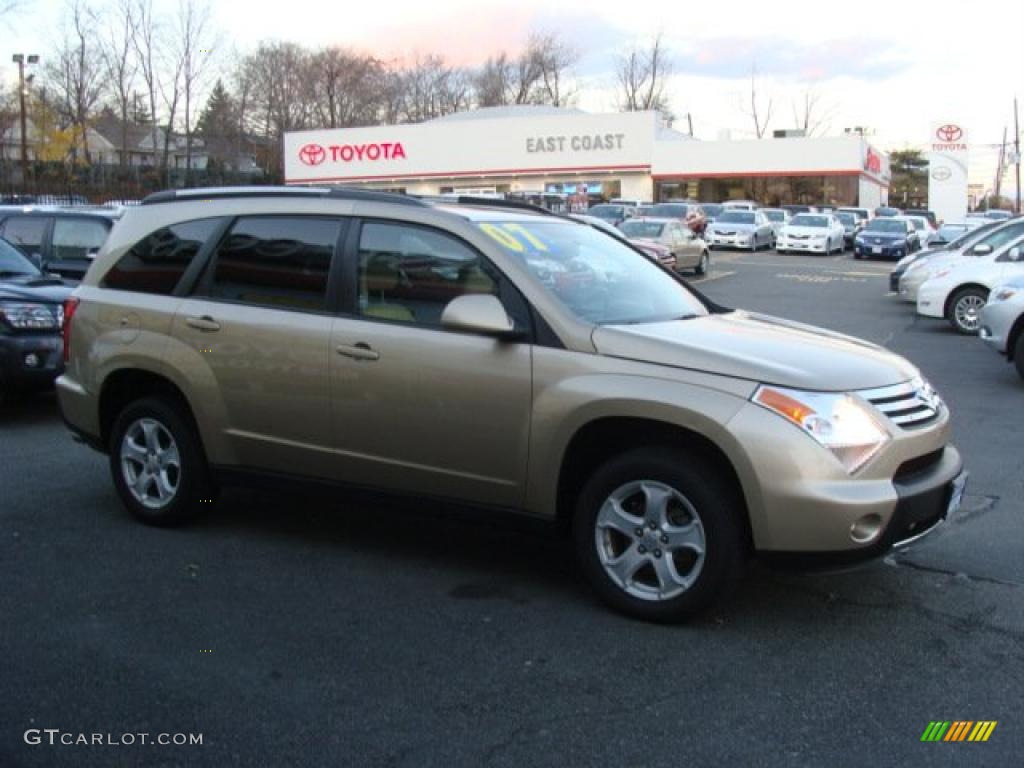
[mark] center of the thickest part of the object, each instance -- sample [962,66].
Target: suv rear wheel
[158,464]
[658,535]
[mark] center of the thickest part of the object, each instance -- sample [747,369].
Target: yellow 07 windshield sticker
[513,236]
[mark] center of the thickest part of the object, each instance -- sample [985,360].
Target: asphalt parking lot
[303,631]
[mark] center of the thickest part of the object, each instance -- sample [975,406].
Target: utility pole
[1016,148]
[19,59]
[689,122]
[1000,168]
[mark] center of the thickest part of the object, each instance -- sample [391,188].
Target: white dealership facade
[525,150]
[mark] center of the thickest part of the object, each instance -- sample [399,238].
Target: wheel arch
[602,438]
[129,384]
[1016,330]
[957,291]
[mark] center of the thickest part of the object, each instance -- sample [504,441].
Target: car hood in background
[48,289]
[730,226]
[806,231]
[887,237]
[758,348]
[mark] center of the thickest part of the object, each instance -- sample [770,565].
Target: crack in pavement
[896,561]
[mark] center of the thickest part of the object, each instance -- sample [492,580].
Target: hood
[882,236]
[806,231]
[732,226]
[34,288]
[646,242]
[758,348]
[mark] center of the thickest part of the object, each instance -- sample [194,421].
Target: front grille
[724,233]
[906,405]
[799,237]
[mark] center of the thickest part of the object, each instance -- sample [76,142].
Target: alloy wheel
[967,312]
[150,463]
[650,540]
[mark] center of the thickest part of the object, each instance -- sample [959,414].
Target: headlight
[839,422]
[859,240]
[27,316]
[1002,294]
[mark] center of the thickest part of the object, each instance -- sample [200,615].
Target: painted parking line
[712,276]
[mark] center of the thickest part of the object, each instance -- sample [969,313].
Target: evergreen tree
[219,117]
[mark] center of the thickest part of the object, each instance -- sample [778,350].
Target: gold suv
[489,352]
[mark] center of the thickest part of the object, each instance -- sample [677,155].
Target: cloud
[733,57]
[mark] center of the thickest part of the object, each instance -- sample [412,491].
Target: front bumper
[894,280]
[931,300]
[728,241]
[807,246]
[996,321]
[910,286]
[880,250]
[31,360]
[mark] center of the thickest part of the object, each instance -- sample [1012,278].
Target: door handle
[360,351]
[204,323]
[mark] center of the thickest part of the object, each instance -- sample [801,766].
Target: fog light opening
[32,360]
[866,529]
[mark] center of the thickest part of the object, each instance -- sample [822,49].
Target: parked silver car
[741,229]
[1002,321]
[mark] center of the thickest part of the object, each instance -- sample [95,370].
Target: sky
[898,68]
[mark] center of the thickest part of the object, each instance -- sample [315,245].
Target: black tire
[193,492]
[1018,355]
[702,265]
[955,316]
[717,504]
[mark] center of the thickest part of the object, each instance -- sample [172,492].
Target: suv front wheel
[158,464]
[657,534]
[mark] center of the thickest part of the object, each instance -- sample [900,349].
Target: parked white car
[1002,321]
[812,233]
[958,291]
[778,218]
[740,205]
[925,230]
[749,230]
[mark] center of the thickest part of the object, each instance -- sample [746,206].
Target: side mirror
[478,313]
[981,250]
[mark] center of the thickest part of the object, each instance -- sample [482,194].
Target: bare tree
[538,75]
[555,59]
[76,75]
[120,66]
[346,88]
[642,76]
[811,114]
[145,30]
[430,88]
[760,112]
[192,53]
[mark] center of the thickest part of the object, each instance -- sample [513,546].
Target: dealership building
[534,150]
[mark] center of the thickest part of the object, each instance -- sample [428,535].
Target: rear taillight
[70,305]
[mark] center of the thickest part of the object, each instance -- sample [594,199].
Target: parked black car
[31,324]
[56,240]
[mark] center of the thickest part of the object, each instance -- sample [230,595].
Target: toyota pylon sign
[947,171]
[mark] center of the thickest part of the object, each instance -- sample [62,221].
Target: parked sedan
[812,233]
[887,237]
[1002,321]
[925,231]
[960,290]
[741,229]
[31,318]
[852,225]
[613,214]
[690,213]
[971,233]
[712,210]
[688,250]
[778,218]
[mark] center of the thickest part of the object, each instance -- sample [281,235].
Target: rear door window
[276,261]
[77,238]
[27,232]
[156,263]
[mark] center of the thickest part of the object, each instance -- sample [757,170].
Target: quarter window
[156,263]
[409,274]
[278,261]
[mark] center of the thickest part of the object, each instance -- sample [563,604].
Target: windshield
[607,211]
[712,209]
[14,263]
[887,225]
[918,223]
[736,217]
[950,233]
[775,215]
[805,220]
[847,218]
[635,228]
[594,276]
[670,210]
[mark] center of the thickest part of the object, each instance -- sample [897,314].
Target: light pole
[19,59]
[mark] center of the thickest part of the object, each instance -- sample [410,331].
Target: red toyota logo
[949,134]
[312,154]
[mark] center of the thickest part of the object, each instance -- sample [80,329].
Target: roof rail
[488,202]
[229,193]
